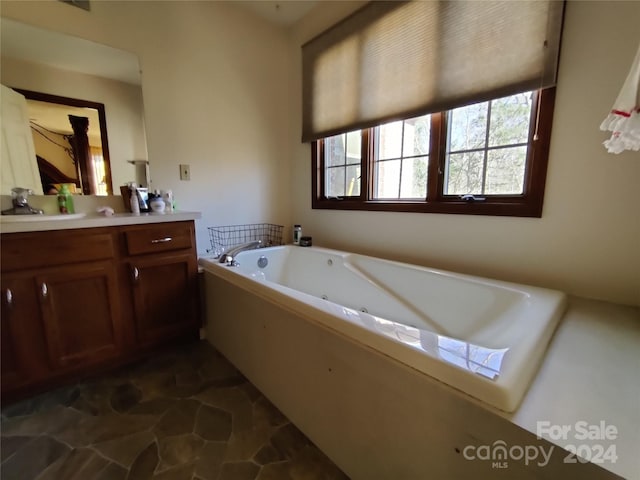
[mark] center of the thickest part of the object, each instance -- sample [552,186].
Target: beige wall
[588,239]
[122,103]
[215,86]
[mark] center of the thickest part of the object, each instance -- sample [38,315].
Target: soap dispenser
[65,199]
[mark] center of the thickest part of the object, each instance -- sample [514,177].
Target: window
[487,158]
[401,158]
[99,179]
[487,146]
[342,164]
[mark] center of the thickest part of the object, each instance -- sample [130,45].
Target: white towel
[624,119]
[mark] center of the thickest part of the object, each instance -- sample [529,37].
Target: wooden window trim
[529,204]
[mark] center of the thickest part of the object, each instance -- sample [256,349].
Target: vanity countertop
[93,220]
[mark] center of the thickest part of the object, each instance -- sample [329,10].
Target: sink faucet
[228,256]
[19,199]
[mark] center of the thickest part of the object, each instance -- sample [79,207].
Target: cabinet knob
[44,289]
[8,296]
[136,274]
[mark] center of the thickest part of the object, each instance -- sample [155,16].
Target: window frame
[527,204]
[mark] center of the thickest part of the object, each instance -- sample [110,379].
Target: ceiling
[283,13]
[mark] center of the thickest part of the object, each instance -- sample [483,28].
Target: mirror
[51,65]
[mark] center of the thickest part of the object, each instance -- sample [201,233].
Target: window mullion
[344,163]
[435,170]
[533,140]
[318,171]
[322,171]
[485,156]
[366,157]
[401,160]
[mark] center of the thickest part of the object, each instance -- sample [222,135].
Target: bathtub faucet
[229,256]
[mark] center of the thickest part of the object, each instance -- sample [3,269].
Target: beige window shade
[392,60]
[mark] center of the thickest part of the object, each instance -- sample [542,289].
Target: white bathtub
[483,337]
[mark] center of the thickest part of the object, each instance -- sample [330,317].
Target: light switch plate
[185,172]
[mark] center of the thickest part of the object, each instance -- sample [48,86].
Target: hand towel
[624,119]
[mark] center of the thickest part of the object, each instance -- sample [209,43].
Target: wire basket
[225,237]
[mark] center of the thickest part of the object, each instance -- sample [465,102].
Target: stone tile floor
[184,414]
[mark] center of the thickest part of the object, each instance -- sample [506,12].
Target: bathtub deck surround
[483,337]
[185,414]
[356,402]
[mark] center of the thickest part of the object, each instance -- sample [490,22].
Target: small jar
[297,234]
[157,205]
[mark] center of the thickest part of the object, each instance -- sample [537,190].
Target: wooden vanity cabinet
[60,309]
[162,266]
[75,301]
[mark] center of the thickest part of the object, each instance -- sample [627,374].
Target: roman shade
[392,60]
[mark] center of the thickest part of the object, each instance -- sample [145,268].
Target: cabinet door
[23,351]
[165,297]
[81,314]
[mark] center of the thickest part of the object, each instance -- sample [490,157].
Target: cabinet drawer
[159,238]
[44,249]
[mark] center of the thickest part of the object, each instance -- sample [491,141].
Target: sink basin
[40,218]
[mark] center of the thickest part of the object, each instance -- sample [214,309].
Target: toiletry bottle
[65,200]
[168,200]
[297,233]
[135,204]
